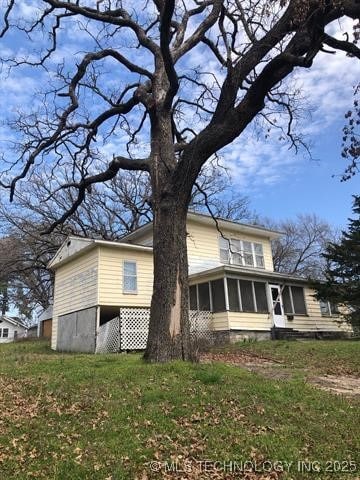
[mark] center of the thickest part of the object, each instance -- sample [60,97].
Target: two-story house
[230,272]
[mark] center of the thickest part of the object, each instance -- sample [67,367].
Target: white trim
[231,252]
[239,294]
[130,292]
[210,297]
[226,293]
[254,296]
[281,318]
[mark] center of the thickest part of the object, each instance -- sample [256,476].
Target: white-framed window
[328,309]
[241,252]
[294,300]
[5,333]
[130,276]
[224,250]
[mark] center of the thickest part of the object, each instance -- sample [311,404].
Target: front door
[277,306]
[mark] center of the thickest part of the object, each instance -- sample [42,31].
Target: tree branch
[347,47]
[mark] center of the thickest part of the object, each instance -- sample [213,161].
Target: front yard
[112,417]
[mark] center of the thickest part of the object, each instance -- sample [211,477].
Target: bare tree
[299,249]
[137,78]
[110,212]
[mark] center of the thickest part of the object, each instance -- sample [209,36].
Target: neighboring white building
[11,328]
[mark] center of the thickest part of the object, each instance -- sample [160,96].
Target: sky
[313,185]
[278,183]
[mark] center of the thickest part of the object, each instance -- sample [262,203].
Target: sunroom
[249,300]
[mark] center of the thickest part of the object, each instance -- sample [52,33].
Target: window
[259,255]
[200,297]
[287,302]
[224,250]
[130,277]
[248,254]
[261,298]
[204,296]
[0,332]
[193,298]
[328,308]
[5,333]
[218,295]
[298,300]
[236,253]
[247,296]
[233,292]
[293,300]
[241,252]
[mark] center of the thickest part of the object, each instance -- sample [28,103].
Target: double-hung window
[224,250]
[236,251]
[248,255]
[5,333]
[259,255]
[130,276]
[241,252]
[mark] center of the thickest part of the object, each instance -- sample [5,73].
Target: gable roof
[13,320]
[73,247]
[208,220]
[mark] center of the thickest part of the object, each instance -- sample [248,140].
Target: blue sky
[311,187]
[278,183]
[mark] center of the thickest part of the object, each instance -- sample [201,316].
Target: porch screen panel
[287,301]
[234,304]
[261,299]
[218,295]
[247,299]
[299,300]
[193,298]
[204,296]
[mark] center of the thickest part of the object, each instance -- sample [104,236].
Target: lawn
[112,417]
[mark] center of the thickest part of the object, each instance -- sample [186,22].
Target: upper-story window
[241,252]
[130,277]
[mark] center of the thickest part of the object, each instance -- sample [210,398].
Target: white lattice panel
[108,337]
[201,325]
[134,328]
[130,330]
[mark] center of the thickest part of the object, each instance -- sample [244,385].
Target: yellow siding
[315,321]
[249,321]
[111,277]
[203,243]
[220,321]
[75,287]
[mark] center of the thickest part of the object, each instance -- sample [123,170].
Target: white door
[277,306]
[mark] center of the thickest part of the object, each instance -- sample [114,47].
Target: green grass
[76,417]
[329,357]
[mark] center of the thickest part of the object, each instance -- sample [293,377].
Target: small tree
[342,285]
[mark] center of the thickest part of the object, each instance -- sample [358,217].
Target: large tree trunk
[169,332]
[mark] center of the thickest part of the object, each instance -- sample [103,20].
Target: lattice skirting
[129,331]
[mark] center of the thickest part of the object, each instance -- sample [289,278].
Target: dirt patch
[347,385]
[269,368]
[340,385]
[238,358]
